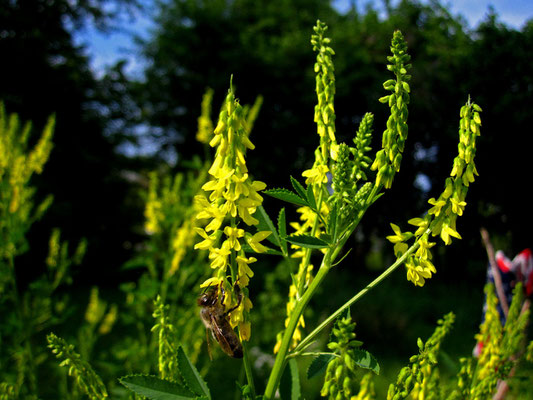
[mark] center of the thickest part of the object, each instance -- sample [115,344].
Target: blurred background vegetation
[99,173]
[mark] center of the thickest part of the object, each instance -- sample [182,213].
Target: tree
[44,73]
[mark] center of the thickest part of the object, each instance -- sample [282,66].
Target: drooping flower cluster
[388,159]
[233,197]
[441,218]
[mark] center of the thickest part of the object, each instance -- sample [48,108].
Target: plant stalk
[279,363]
[309,338]
[248,368]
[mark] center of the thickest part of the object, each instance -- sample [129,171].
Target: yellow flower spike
[232,193]
[254,241]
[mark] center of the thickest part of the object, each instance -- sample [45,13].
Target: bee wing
[219,336]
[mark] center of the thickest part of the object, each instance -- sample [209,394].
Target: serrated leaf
[298,187]
[290,382]
[266,224]
[191,376]
[310,195]
[307,241]
[282,229]
[154,388]
[319,365]
[286,195]
[366,360]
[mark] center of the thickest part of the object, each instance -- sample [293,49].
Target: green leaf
[366,360]
[286,195]
[319,364]
[307,241]
[191,376]
[266,224]
[282,229]
[298,187]
[154,388]
[310,195]
[290,382]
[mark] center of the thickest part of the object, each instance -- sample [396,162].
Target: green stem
[309,338]
[279,363]
[307,257]
[248,368]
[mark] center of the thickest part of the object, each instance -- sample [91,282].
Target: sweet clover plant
[206,231]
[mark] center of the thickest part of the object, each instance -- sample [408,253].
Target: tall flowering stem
[228,208]
[311,221]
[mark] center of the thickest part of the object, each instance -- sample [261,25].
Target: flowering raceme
[233,197]
[441,218]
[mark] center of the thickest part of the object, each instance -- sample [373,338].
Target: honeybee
[215,319]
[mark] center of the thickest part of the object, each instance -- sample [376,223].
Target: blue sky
[104,49]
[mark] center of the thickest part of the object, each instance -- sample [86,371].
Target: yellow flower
[213,281]
[457,206]
[244,270]
[423,251]
[208,241]
[422,224]
[419,270]
[254,241]
[245,211]
[437,206]
[219,257]
[233,235]
[447,232]
[399,236]
[245,329]
[316,175]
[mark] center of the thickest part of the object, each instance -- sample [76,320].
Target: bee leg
[238,303]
